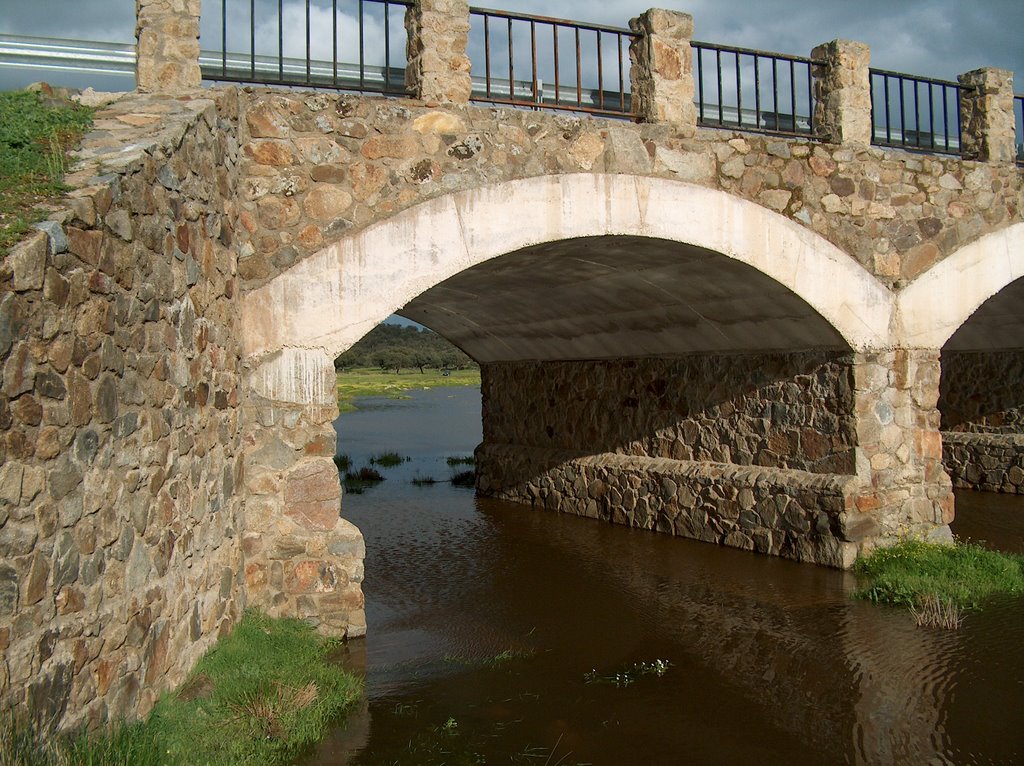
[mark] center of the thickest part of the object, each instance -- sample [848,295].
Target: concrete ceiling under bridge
[612,297]
[998,324]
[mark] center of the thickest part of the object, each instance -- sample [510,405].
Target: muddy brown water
[499,634]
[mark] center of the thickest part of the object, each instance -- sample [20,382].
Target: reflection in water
[485,617]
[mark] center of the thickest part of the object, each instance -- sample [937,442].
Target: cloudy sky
[936,38]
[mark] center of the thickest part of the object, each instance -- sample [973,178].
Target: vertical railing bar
[810,101]
[511,65]
[792,90]
[739,94]
[252,38]
[280,40]
[387,49]
[757,90]
[537,95]
[622,80]
[959,138]
[718,67]
[916,109]
[362,48]
[307,42]
[223,38]
[600,73]
[903,113]
[334,34]
[700,83]
[888,118]
[775,89]
[487,54]
[554,33]
[945,115]
[579,71]
[931,115]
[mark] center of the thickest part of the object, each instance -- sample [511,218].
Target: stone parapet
[985,462]
[987,125]
[437,67]
[793,514]
[661,72]
[842,90]
[167,32]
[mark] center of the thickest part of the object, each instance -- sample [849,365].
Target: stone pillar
[437,67]
[662,69]
[986,116]
[301,559]
[842,92]
[167,32]
[905,489]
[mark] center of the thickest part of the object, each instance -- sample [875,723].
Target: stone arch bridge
[755,340]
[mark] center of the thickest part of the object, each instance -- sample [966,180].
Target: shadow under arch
[326,302]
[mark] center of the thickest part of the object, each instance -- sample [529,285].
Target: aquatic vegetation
[628,675]
[344,462]
[460,460]
[939,583]
[464,479]
[361,480]
[424,481]
[388,459]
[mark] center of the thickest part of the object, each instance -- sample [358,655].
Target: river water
[499,634]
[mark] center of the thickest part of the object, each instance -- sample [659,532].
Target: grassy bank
[260,696]
[939,582]
[373,382]
[35,136]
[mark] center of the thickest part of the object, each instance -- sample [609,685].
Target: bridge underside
[982,399]
[669,387]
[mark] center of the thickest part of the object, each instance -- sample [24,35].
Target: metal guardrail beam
[67,55]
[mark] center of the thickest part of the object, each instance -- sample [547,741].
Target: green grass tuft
[963,575]
[35,136]
[261,695]
[388,459]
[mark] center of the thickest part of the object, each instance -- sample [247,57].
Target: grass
[344,462]
[373,382]
[388,459]
[464,479]
[34,140]
[460,460]
[424,481]
[262,695]
[361,480]
[939,582]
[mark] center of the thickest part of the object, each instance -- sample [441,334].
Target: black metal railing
[541,62]
[1018,117]
[915,112]
[342,44]
[753,90]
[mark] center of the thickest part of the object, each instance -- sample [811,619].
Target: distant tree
[392,347]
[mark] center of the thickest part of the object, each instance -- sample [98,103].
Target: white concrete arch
[935,305]
[325,303]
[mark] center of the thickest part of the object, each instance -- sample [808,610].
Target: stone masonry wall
[773,410]
[318,166]
[794,514]
[982,392]
[982,406]
[120,556]
[751,451]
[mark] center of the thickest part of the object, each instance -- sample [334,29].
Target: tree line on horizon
[394,347]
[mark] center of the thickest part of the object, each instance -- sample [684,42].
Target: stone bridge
[762,341]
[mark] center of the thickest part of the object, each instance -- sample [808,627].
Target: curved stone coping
[331,299]
[934,305]
[738,475]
